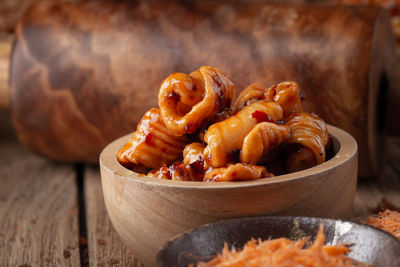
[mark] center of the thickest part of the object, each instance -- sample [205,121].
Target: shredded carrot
[388,221]
[284,252]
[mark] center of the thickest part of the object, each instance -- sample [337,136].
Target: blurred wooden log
[83,74]
[392,105]
[5,51]
[12,10]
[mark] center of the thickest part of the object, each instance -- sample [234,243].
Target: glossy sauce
[261,116]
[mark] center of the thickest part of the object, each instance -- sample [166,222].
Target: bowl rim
[348,150]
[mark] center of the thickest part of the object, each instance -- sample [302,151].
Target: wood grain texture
[38,210]
[146,212]
[385,193]
[105,247]
[67,59]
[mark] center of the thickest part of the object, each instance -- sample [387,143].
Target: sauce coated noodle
[199,134]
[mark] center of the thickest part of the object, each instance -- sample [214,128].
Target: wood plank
[105,247]
[384,192]
[38,210]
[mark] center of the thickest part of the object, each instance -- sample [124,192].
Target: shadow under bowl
[146,212]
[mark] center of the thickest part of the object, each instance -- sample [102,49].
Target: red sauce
[198,165]
[261,116]
[220,101]
[217,80]
[148,138]
[190,128]
[168,173]
[164,169]
[178,167]
[194,87]
[216,178]
[174,97]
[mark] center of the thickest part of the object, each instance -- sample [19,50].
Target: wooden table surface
[54,214]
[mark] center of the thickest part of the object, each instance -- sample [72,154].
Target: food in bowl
[199,133]
[284,252]
[360,242]
[146,212]
[387,220]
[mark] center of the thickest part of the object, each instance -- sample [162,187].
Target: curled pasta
[236,172]
[152,144]
[188,102]
[309,135]
[219,141]
[286,94]
[254,92]
[226,136]
[261,139]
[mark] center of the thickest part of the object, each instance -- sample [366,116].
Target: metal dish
[370,245]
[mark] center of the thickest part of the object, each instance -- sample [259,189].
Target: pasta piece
[263,137]
[300,158]
[224,137]
[309,135]
[152,145]
[193,156]
[236,172]
[162,173]
[193,152]
[287,94]
[222,116]
[254,92]
[177,171]
[188,102]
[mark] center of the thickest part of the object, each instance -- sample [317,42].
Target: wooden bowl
[146,212]
[369,244]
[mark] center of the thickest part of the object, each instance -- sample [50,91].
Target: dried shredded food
[284,252]
[386,220]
